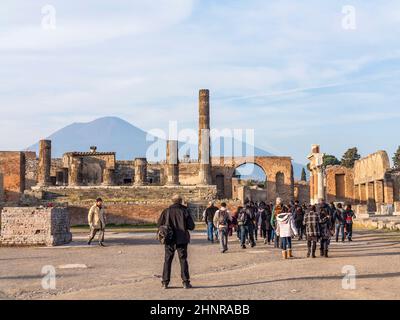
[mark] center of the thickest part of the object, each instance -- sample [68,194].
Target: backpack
[165,234]
[223,218]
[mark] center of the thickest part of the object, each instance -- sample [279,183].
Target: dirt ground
[130,267]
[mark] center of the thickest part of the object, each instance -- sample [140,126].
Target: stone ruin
[31,226]
[372,186]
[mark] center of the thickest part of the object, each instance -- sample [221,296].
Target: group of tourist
[279,223]
[275,223]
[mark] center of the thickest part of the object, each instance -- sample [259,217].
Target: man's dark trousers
[169,256]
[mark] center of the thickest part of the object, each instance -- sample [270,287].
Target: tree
[396,159]
[303,175]
[349,157]
[330,160]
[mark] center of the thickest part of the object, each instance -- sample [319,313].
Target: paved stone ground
[130,267]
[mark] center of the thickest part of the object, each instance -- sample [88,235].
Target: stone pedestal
[44,163]
[35,226]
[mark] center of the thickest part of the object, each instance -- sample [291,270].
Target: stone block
[34,226]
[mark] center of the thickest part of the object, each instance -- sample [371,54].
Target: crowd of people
[279,223]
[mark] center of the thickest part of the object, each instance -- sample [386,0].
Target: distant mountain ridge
[118,135]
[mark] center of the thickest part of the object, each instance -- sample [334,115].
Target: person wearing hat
[97,221]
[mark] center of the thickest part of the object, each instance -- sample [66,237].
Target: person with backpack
[222,219]
[244,222]
[349,215]
[339,222]
[286,229]
[176,222]
[311,223]
[208,218]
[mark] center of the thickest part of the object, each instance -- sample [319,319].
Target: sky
[297,72]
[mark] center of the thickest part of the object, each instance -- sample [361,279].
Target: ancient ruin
[135,190]
[35,226]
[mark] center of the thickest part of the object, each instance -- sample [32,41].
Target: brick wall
[34,226]
[12,167]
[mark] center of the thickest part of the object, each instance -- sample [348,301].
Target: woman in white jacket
[286,229]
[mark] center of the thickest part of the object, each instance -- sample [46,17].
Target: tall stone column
[370,197]
[311,186]
[204,137]
[388,191]
[75,172]
[320,186]
[140,171]
[44,163]
[379,194]
[172,163]
[108,177]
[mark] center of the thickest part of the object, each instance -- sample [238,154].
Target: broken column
[317,188]
[204,137]
[44,163]
[172,163]
[74,172]
[108,177]
[140,171]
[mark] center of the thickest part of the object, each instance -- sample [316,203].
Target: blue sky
[288,69]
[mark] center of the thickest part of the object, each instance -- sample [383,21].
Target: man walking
[97,221]
[208,218]
[222,219]
[179,219]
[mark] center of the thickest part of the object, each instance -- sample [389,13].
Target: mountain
[118,135]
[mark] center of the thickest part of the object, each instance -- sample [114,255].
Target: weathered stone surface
[12,169]
[34,226]
[339,184]
[44,166]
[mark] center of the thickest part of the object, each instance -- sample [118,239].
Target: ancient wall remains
[31,168]
[302,191]
[339,184]
[12,168]
[34,226]
[278,171]
[372,182]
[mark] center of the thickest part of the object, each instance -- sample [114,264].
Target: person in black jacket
[180,221]
[208,217]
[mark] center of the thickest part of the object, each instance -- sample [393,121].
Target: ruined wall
[125,205]
[12,168]
[34,226]
[302,191]
[31,168]
[395,177]
[371,168]
[278,170]
[339,184]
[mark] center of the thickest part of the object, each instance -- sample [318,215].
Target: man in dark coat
[180,221]
[208,218]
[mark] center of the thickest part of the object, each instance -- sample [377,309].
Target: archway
[253,173]
[249,182]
